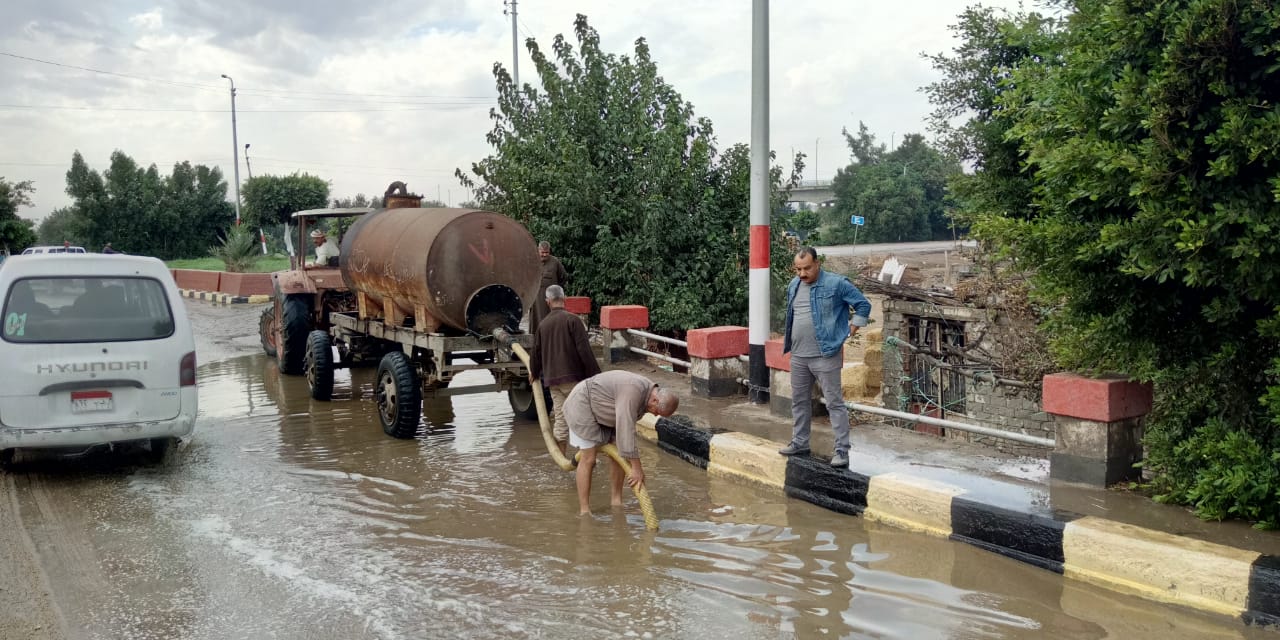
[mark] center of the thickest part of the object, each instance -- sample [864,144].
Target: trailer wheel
[267,330]
[398,395]
[319,365]
[295,323]
[520,397]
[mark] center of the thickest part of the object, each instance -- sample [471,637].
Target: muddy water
[290,518]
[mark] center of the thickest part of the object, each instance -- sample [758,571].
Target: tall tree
[1150,138]
[976,81]
[139,211]
[270,200]
[610,165]
[16,232]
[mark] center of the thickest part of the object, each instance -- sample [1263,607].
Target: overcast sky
[364,93]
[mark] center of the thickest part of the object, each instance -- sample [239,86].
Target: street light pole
[247,168]
[235,145]
[815,160]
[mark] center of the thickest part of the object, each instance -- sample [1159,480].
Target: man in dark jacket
[552,273]
[561,357]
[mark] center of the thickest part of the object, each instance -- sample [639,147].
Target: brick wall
[963,399]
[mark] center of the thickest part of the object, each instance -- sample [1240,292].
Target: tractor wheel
[295,324]
[319,365]
[267,330]
[398,395]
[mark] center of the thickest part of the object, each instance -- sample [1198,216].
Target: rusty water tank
[459,269]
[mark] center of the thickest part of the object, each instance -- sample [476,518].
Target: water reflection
[327,527]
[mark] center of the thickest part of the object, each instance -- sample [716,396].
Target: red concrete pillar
[614,322]
[715,366]
[1098,427]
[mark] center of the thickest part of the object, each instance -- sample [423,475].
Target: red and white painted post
[758,278]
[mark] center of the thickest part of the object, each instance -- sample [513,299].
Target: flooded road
[290,518]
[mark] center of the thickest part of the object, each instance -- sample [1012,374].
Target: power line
[430,107]
[282,93]
[191,85]
[359,166]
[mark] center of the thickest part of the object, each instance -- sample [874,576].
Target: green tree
[609,164]
[139,211]
[994,44]
[1151,142]
[901,193]
[16,232]
[64,223]
[270,200]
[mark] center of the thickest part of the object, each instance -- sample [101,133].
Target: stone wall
[967,400]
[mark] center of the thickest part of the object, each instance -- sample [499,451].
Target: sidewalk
[223,298]
[973,494]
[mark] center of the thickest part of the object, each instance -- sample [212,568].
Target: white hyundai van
[96,350]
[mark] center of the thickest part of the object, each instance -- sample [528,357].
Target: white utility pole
[515,45]
[758,274]
[235,145]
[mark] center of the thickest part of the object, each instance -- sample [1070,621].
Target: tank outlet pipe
[642,494]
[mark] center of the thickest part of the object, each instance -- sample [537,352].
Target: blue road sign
[857,220]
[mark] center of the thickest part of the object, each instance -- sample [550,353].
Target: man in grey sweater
[604,408]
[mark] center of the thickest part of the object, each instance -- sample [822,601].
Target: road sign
[857,221]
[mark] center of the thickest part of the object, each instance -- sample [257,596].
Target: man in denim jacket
[818,323]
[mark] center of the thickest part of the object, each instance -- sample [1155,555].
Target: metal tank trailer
[436,292]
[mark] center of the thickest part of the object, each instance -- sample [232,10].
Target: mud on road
[27,609]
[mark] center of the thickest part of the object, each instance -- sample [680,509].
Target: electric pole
[235,145]
[247,168]
[515,43]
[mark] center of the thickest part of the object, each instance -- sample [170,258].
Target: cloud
[362,94]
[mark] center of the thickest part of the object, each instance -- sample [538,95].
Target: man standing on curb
[561,357]
[818,323]
[604,408]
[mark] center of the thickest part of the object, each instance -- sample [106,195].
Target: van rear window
[53,310]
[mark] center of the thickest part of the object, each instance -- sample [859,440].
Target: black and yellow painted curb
[1126,558]
[224,298]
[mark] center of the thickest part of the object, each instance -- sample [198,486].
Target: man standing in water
[552,273]
[818,323]
[561,357]
[604,408]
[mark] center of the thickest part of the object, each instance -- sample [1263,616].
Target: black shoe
[840,460]
[793,450]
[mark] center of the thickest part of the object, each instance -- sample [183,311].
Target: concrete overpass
[812,194]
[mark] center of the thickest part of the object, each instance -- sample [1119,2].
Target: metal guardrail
[952,424]
[862,408]
[653,336]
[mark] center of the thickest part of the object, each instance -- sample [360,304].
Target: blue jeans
[827,372]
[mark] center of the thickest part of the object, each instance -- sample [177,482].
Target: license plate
[88,401]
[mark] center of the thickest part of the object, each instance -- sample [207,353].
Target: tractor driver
[326,250]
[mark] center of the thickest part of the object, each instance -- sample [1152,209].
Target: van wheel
[319,365]
[520,397]
[162,451]
[295,324]
[267,330]
[398,396]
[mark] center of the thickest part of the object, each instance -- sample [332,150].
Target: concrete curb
[1122,557]
[224,298]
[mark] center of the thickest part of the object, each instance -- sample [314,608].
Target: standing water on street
[294,518]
